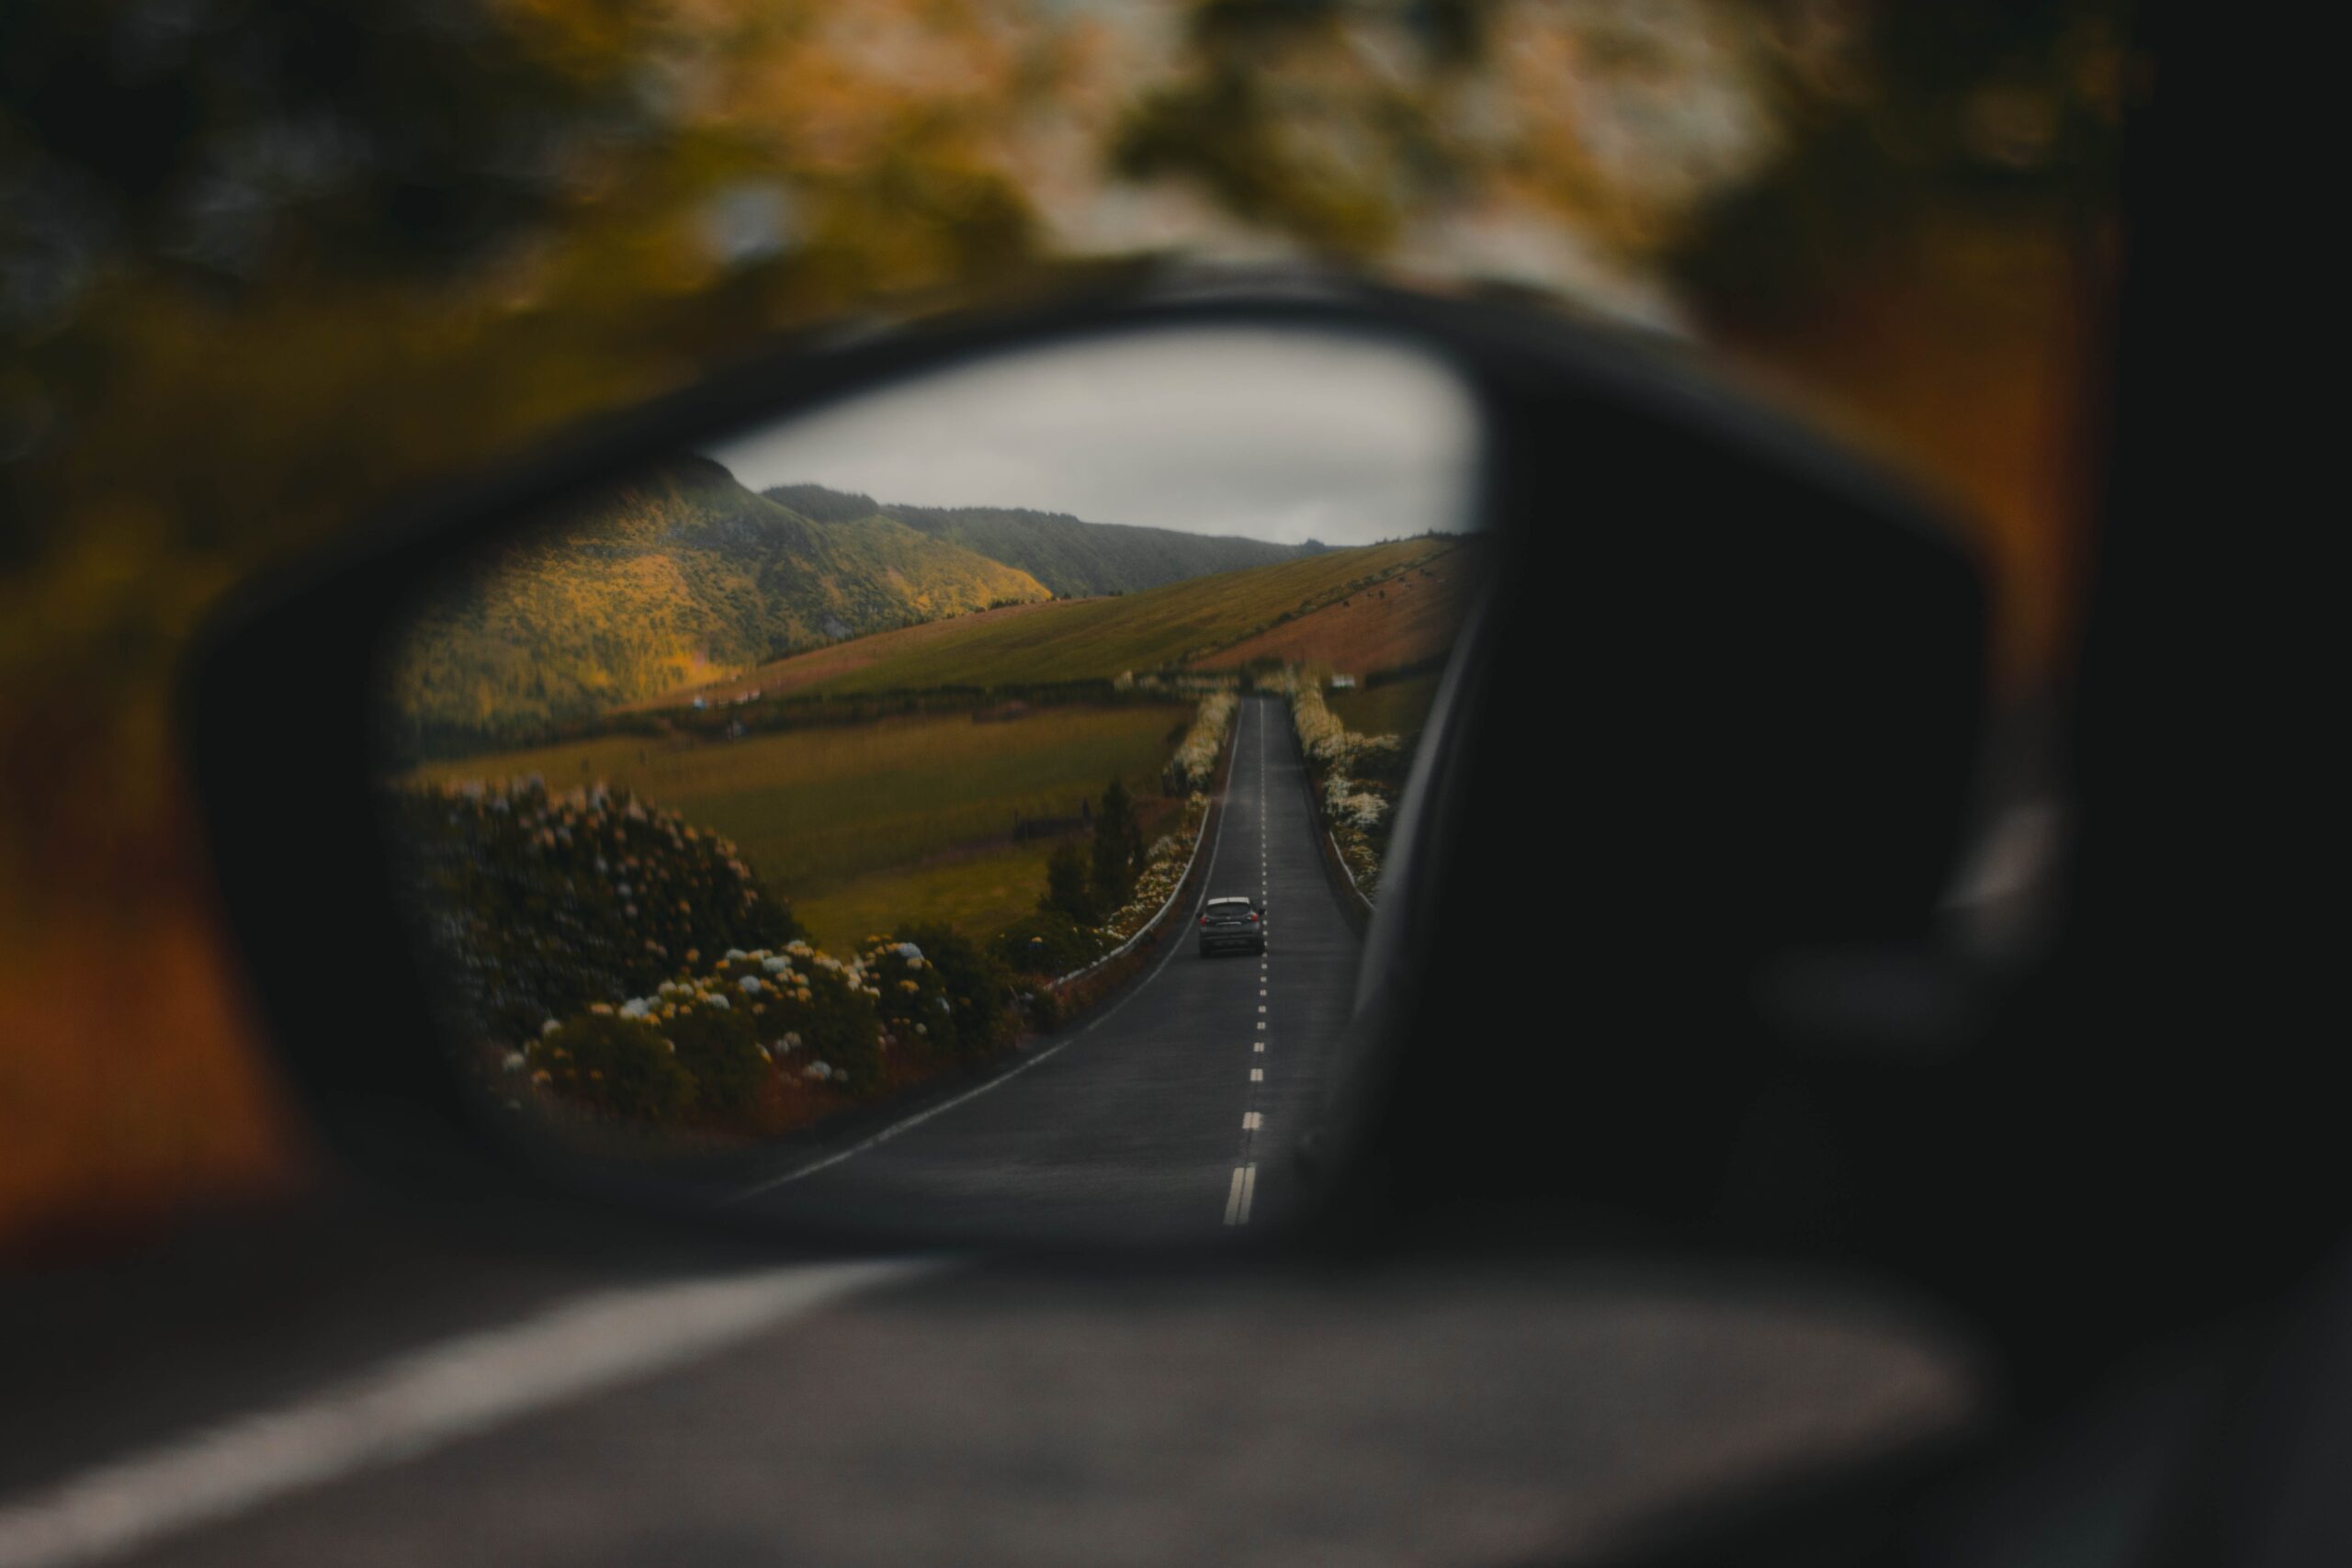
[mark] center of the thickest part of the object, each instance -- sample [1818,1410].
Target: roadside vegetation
[608,961]
[1357,777]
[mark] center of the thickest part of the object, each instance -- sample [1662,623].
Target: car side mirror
[800,802]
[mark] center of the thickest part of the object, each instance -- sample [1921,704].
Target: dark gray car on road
[1235,924]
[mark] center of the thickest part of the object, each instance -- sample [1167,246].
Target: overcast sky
[1285,436]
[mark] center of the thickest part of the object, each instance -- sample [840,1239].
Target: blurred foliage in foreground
[263,264]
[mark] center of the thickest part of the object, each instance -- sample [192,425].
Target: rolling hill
[1194,621]
[1075,559]
[805,671]
[679,575]
[1406,619]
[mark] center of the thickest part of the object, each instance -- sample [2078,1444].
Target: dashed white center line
[1235,1213]
[1256,1075]
[1251,1120]
[1260,1047]
[1262,1007]
[1261,1023]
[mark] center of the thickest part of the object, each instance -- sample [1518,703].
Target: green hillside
[1077,559]
[1158,628]
[679,575]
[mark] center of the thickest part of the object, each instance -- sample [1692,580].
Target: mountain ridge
[1073,557]
[678,573]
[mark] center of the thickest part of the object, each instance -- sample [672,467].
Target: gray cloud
[1276,435]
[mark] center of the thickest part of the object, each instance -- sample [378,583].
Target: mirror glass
[956,809]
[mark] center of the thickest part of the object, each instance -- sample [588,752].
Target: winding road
[1172,1113]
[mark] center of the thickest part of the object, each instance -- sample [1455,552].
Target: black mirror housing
[1726,701]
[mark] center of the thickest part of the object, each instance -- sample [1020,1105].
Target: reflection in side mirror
[824,814]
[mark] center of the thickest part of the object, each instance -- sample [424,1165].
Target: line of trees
[1087,882]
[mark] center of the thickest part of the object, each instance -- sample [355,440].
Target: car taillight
[1253,917]
[1204,920]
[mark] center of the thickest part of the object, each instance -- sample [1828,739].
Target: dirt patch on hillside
[1402,620]
[801,670]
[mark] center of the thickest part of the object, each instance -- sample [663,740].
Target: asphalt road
[1174,1113]
[365,1389]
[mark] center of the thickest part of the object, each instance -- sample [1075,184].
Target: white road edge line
[416,1402]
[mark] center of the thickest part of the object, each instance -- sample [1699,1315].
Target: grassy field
[1398,707]
[1096,638]
[819,811]
[978,893]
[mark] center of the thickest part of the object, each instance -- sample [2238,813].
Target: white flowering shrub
[1195,760]
[706,1047]
[1357,776]
[1320,734]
